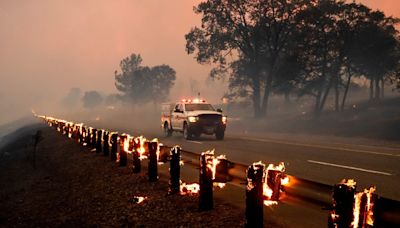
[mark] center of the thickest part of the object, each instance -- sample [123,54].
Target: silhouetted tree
[255,34]
[313,47]
[142,84]
[340,40]
[378,56]
[92,99]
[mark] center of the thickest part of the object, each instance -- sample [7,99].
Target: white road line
[196,142]
[350,167]
[323,147]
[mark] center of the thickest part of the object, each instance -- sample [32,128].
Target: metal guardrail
[386,213]
[387,210]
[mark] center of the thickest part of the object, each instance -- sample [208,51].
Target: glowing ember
[219,185]
[138,199]
[270,203]
[189,189]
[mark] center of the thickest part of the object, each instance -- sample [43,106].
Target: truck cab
[193,118]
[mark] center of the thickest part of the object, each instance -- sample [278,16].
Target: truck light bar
[193,101]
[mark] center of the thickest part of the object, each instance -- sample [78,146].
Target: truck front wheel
[167,131]
[220,134]
[186,133]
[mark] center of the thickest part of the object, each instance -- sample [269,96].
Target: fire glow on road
[350,167]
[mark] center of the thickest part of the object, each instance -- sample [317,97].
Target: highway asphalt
[327,162]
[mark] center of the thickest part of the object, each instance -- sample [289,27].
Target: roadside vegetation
[313,48]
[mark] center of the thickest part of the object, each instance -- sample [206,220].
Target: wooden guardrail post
[136,163]
[114,146]
[98,143]
[174,170]
[106,145]
[123,155]
[254,195]
[153,161]
[206,201]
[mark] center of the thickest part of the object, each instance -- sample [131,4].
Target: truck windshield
[194,107]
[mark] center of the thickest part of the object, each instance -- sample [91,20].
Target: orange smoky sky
[49,46]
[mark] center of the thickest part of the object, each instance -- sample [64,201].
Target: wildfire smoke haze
[69,44]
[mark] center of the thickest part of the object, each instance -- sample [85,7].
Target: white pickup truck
[193,118]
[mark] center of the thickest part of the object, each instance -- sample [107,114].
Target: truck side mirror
[219,110]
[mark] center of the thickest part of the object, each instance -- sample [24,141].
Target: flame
[368,210]
[110,137]
[138,199]
[256,167]
[212,165]
[126,143]
[219,185]
[370,205]
[267,191]
[214,162]
[270,203]
[285,181]
[189,189]
[141,150]
[158,149]
[141,199]
[349,182]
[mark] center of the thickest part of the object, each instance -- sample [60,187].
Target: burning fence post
[94,140]
[82,135]
[153,161]
[343,204]
[98,143]
[69,130]
[206,181]
[88,138]
[114,146]
[222,170]
[274,177]
[254,195]
[174,170]
[77,132]
[364,208]
[123,154]
[351,208]
[106,145]
[136,166]
[66,129]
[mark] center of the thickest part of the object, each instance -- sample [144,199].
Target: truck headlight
[224,119]
[193,119]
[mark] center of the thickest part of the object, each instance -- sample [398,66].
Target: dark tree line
[304,47]
[140,84]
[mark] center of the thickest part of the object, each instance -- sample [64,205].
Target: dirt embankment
[73,187]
